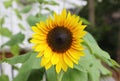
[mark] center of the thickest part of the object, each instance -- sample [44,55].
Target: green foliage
[18,13]
[85,21]
[32,20]
[4,78]
[97,51]
[30,69]
[2,20]
[36,75]
[7,3]
[15,49]
[14,42]
[30,64]
[51,74]
[5,32]
[15,39]
[27,9]
[18,59]
[21,26]
[75,75]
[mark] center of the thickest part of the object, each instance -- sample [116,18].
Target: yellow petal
[48,65]
[82,27]
[63,17]
[82,54]
[55,58]
[47,52]
[35,29]
[58,67]
[40,47]
[42,27]
[37,41]
[73,59]
[39,35]
[68,61]
[45,61]
[64,66]
[75,54]
[50,23]
[40,54]
[77,47]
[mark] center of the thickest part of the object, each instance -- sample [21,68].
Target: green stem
[59,76]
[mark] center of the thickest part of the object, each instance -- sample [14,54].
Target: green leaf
[85,21]
[21,26]
[30,64]
[53,3]
[15,39]
[95,49]
[36,74]
[15,49]
[104,71]
[51,74]
[18,13]
[32,20]
[115,63]
[75,75]
[89,63]
[7,3]
[94,74]
[18,59]
[70,75]
[2,20]
[85,61]
[5,32]
[4,78]
[26,9]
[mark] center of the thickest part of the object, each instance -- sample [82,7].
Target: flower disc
[58,41]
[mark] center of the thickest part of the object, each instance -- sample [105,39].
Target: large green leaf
[5,32]
[75,75]
[103,70]
[30,64]
[98,52]
[15,39]
[90,64]
[4,78]
[36,74]
[51,74]
[95,49]
[94,73]
[85,61]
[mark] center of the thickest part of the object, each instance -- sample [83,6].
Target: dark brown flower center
[59,39]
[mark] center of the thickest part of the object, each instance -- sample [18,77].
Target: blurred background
[17,17]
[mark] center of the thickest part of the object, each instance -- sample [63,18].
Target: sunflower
[58,41]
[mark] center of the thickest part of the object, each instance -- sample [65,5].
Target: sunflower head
[58,41]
